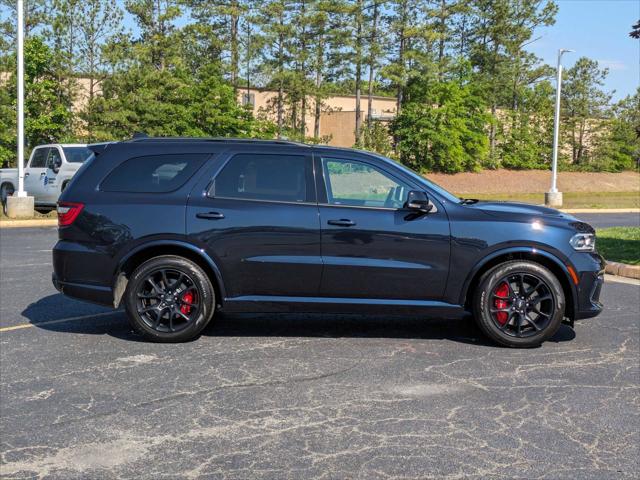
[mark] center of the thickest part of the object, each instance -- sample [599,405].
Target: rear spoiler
[98,148]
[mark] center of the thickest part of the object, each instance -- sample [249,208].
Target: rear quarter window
[153,173]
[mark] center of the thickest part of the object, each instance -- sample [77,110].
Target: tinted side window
[39,159]
[54,155]
[353,183]
[153,174]
[286,178]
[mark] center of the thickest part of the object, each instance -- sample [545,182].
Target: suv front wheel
[169,299]
[519,304]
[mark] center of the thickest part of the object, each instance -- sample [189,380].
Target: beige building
[337,117]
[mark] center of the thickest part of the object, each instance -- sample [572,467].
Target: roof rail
[140,138]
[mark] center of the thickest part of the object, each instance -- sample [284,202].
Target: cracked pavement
[306,396]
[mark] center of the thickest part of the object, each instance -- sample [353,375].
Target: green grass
[570,199]
[619,244]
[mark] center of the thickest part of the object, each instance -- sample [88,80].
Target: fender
[521,249]
[120,282]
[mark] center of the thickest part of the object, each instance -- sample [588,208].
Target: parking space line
[52,322]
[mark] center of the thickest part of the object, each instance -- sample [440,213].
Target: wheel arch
[7,183]
[546,259]
[145,252]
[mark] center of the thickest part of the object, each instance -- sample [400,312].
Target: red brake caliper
[187,297]
[501,291]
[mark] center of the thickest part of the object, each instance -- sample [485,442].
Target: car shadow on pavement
[58,313]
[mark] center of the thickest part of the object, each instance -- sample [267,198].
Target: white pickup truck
[46,174]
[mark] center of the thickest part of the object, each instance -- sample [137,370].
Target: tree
[100,23]
[584,106]
[619,146]
[46,119]
[635,32]
[501,30]
[442,129]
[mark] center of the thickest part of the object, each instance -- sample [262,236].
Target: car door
[258,220]
[50,188]
[371,246]
[34,176]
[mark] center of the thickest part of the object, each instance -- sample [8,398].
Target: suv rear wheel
[169,299]
[519,304]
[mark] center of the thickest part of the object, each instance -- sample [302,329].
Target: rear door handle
[343,222]
[210,215]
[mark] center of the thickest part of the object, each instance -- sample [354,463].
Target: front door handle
[210,215]
[343,222]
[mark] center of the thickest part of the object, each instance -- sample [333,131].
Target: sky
[598,29]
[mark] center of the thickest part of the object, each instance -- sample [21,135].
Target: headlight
[583,242]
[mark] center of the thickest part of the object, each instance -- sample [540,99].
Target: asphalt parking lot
[306,396]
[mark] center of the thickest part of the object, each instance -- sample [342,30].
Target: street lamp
[20,205]
[20,38]
[553,198]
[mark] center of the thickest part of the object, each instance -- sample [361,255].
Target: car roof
[49,145]
[228,140]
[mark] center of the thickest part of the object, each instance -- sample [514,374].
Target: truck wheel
[169,299]
[5,191]
[519,304]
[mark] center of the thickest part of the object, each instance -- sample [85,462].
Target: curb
[623,270]
[36,222]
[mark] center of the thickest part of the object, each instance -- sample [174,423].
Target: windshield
[434,186]
[76,154]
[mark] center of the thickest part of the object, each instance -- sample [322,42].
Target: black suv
[177,229]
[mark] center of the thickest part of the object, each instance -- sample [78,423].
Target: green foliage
[377,138]
[619,148]
[46,117]
[445,130]
[527,133]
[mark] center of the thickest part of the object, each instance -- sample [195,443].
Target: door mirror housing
[418,201]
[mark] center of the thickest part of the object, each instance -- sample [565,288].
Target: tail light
[68,212]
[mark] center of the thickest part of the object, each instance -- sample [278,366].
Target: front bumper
[590,270]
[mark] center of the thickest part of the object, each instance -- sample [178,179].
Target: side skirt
[282,304]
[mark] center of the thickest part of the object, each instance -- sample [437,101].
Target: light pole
[553,197]
[20,205]
[20,81]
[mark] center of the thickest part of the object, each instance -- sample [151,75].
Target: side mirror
[57,163]
[418,201]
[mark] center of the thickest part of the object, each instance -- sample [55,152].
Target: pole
[553,198]
[20,35]
[556,126]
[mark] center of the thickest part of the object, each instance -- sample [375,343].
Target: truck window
[39,158]
[76,154]
[54,155]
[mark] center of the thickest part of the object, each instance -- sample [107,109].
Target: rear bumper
[590,269]
[82,291]
[78,272]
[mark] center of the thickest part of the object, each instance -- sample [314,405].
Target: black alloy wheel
[522,304]
[169,299]
[519,304]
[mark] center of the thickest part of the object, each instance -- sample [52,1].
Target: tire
[514,316]
[169,299]
[6,190]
